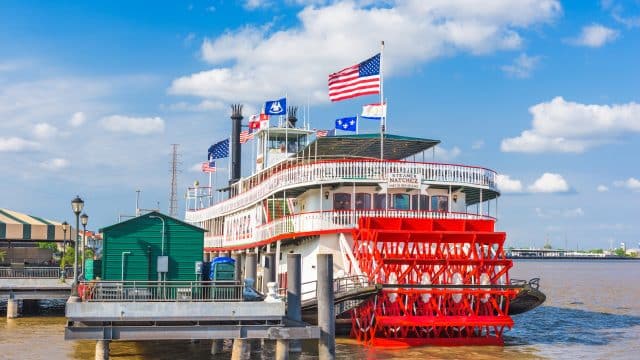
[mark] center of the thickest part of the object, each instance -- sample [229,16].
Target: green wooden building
[140,248]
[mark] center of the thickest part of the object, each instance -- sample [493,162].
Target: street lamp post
[84,219]
[76,205]
[65,227]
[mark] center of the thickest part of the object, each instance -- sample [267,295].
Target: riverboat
[416,237]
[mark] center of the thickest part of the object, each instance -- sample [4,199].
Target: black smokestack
[292,119]
[236,123]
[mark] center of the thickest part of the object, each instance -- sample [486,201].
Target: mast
[382,118]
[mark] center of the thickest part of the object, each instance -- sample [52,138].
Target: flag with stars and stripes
[357,80]
[323,133]
[219,150]
[209,166]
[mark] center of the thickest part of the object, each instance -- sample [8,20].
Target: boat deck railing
[300,173]
[165,291]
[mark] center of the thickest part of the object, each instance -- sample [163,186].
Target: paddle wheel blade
[466,257]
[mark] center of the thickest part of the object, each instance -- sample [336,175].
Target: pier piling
[12,307]
[241,350]
[294,293]
[282,349]
[269,270]
[250,267]
[326,311]
[102,350]
[216,346]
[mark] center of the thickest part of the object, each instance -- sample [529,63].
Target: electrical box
[198,267]
[163,264]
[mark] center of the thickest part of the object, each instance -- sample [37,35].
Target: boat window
[363,201]
[439,203]
[400,202]
[341,201]
[379,201]
[423,205]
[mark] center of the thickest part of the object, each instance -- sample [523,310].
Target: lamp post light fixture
[65,227]
[84,219]
[76,205]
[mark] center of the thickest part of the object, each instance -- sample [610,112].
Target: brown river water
[592,312]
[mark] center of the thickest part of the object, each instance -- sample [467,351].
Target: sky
[545,92]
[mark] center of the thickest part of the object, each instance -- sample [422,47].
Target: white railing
[34,272]
[264,184]
[315,222]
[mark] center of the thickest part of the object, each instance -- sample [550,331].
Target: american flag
[357,80]
[209,166]
[245,136]
[219,150]
[323,133]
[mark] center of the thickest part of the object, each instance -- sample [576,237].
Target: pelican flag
[276,107]
[374,111]
[347,124]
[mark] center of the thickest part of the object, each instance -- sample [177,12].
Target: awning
[366,146]
[16,226]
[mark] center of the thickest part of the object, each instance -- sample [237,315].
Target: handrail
[287,176]
[331,220]
[32,272]
[150,291]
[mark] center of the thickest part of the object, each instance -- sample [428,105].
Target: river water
[592,311]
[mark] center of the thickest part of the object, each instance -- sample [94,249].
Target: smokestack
[236,123]
[292,119]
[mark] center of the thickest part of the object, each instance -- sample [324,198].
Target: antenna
[173,197]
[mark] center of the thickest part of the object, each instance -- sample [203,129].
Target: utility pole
[173,197]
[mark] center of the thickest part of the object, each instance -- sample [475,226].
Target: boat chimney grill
[292,119]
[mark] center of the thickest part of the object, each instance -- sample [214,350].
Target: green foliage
[596,251]
[48,245]
[2,255]
[67,259]
[620,252]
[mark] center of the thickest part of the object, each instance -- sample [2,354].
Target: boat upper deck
[480,183]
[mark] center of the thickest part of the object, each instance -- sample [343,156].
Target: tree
[48,245]
[2,255]
[620,252]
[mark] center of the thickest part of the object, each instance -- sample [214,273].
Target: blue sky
[545,92]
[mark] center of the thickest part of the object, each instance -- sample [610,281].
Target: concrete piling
[282,349]
[294,293]
[12,307]
[216,346]
[102,350]
[237,263]
[241,350]
[326,311]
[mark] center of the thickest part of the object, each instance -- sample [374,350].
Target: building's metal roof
[367,146]
[16,226]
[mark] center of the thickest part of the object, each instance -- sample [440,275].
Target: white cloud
[553,213]
[134,125]
[631,184]
[55,164]
[477,145]
[77,119]
[196,168]
[602,188]
[45,131]
[204,105]
[255,63]
[16,144]
[508,185]
[621,13]
[594,36]
[442,154]
[549,183]
[577,212]
[565,126]
[522,66]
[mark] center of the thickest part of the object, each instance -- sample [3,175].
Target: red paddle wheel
[465,257]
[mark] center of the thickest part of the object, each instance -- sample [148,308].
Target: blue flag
[347,124]
[219,150]
[276,107]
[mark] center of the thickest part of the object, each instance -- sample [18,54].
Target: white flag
[374,110]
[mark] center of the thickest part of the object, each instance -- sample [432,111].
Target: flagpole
[382,118]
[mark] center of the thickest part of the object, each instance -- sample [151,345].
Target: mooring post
[237,263]
[241,350]
[251,267]
[294,292]
[268,271]
[326,312]
[12,307]
[102,350]
[216,346]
